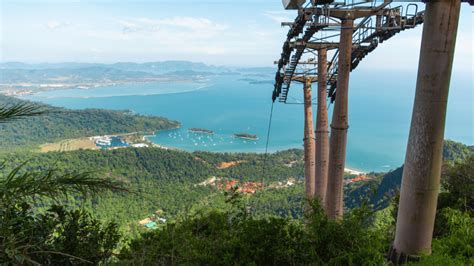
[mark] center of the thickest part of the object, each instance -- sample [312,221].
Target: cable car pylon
[361,26]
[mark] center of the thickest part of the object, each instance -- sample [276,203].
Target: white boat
[106,141]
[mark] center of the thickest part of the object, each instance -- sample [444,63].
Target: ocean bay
[227,104]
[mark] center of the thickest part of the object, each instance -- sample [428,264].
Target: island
[20,79]
[246,136]
[201,130]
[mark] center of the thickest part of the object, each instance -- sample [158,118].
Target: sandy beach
[353,172]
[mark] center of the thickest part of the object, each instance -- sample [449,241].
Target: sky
[218,32]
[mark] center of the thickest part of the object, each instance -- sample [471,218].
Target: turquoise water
[143,89]
[380,112]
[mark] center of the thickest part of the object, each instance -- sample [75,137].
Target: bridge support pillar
[422,171]
[322,131]
[339,125]
[309,162]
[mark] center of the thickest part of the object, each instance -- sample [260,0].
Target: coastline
[88,144]
[347,169]
[353,171]
[30,89]
[145,135]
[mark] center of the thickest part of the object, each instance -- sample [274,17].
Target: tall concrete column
[339,126]
[322,131]
[309,162]
[422,171]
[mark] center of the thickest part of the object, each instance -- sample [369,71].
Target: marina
[107,142]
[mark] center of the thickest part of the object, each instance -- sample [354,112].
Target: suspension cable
[266,144]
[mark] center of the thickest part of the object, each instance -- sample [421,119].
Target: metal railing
[368,33]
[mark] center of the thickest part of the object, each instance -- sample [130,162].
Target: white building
[139,145]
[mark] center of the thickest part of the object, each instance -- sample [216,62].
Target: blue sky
[221,32]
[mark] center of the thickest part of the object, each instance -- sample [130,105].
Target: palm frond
[53,184]
[20,110]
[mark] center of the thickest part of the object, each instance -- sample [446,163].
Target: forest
[85,207]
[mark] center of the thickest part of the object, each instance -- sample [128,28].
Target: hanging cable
[265,156]
[266,145]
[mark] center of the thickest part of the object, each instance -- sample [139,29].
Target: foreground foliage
[222,237]
[57,235]
[454,224]
[232,236]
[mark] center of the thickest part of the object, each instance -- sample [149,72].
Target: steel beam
[346,14]
[339,126]
[314,45]
[309,160]
[422,171]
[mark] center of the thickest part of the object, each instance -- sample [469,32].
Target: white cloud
[197,38]
[53,24]
[193,24]
[139,25]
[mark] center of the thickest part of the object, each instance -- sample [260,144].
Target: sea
[380,106]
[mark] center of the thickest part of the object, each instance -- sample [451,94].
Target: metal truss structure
[318,25]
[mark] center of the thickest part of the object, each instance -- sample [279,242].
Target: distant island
[256,81]
[21,79]
[201,130]
[246,136]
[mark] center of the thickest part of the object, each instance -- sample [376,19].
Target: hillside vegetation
[174,182]
[170,180]
[206,225]
[63,123]
[385,186]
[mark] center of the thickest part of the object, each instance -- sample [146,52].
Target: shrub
[234,237]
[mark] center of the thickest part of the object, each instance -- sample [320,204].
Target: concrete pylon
[339,126]
[309,160]
[422,171]
[322,131]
